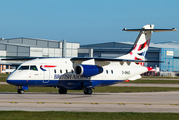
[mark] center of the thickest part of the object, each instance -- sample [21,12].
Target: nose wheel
[20,91]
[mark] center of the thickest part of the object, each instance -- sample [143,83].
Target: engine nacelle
[88,70]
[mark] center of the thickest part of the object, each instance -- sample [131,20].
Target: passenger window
[66,71]
[60,71]
[23,68]
[112,71]
[107,71]
[33,68]
[72,71]
[54,70]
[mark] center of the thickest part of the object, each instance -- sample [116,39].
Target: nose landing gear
[20,89]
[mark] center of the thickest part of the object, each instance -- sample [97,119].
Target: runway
[98,102]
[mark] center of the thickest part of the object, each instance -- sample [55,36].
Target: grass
[160,77]
[106,89]
[3,77]
[57,115]
[155,81]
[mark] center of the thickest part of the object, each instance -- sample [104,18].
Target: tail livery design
[141,45]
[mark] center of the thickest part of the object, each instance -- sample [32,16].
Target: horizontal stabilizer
[154,30]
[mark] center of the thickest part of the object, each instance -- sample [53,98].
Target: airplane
[85,73]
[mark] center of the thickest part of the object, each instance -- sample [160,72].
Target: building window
[66,71]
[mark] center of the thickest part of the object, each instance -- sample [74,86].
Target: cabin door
[46,73]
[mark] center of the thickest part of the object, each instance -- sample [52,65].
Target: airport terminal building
[30,47]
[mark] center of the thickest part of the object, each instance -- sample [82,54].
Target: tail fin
[141,45]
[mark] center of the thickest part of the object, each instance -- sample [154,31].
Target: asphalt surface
[98,102]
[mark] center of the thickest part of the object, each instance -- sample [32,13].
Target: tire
[20,91]
[62,91]
[88,91]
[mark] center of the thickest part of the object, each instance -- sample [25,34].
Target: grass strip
[106,89]
[3,79]
[155,81]
[4,75]
[160,77]
[58,115]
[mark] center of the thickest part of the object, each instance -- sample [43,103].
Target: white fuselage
[60,72]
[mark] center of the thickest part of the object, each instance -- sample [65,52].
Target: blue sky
[87,21]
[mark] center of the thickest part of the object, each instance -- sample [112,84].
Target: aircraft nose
[10,79]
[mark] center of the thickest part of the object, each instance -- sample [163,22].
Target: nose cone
[12,79]
[9,79]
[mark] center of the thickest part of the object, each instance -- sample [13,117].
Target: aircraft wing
[110,60]
[106,61]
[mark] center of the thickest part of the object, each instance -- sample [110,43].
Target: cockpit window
[33,67]
[23,68]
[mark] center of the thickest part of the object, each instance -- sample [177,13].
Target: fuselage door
[46,73]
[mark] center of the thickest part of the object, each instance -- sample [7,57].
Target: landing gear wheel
[88,91]
[20,91]
[62,91]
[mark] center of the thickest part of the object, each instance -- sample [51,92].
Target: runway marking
[147,104]
[174,104]
[95,103]
[13,102]
[91,103]
[67,103]
[40,102]
[121,103]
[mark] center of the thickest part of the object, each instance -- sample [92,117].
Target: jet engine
[88,70]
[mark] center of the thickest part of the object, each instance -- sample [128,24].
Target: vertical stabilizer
[141,45]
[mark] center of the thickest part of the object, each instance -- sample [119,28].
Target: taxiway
[98,102]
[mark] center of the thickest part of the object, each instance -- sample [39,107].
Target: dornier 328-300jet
[85,73]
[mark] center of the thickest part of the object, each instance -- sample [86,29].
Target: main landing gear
[62,91]
[87,91]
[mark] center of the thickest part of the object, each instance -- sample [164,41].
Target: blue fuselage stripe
[68,84]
